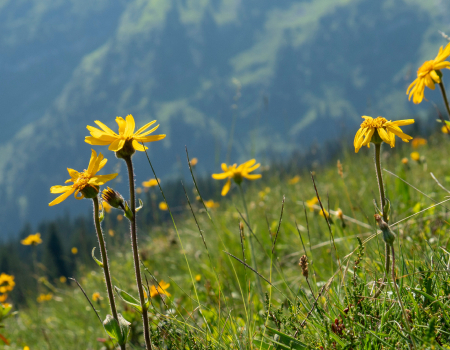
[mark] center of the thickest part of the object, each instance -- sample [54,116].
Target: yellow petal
[92,161]
[411,85]
[129,128]
[252,176]
[95,142]
[224,167]
[384,135]
[102,164]
[226,188]
[77,193]
[435,77]
[73,174]
[221,176]
[138,146]
[59,189]
[368,136]
[122,124]
[61,197]
[149,138]
[116,145]
[401,122]
[146,126]
[254,167]
[105,128]
[101,179]
[429,82]
[397,131]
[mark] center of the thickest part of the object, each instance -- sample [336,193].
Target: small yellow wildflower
[444,129]
[385,131]
[294,180]
[26,347]
[405,160]
[32,239]
[151,183]
[106,206]
[418,141]
[96,296]
[86,182]
[74,250]
[63,279]
[327,214]
[211,204]
[119,217]
[310,203]
[111,232]
[139,190]
[428,74]
[6,283]
[198,278]
[237,173]
[44,297]
[415,156]
[193,162]
[126,138]
[3,297]
[163,206]
[160,289]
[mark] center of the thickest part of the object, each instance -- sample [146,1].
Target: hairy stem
[134,244]
[105,262]
[444,96]
[380,178]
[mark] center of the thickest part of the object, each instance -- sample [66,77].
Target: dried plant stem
[444,96]
[408,326]
[105,262]
[134,245]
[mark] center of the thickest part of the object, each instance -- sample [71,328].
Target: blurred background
[229,79]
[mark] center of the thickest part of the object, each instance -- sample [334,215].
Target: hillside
[305,70]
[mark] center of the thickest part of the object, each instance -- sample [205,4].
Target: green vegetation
[216,303]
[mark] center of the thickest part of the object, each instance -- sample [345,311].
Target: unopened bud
[113,198]
[388,235]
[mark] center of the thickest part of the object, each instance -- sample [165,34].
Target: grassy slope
[68,320]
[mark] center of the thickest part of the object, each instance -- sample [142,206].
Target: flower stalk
[444,96]
[134,245]
[105,263]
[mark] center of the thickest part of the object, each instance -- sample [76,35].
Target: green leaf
[129,299]
[287,340]
[259,344]
[112,327]
[140,205]
[128,213]
[99,263]
[124,328]
[101,216]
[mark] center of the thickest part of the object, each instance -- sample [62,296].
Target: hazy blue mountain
[290,71]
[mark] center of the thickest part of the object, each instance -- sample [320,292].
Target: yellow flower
[327,214]
[74,250]
[385,131]
[111,232]
[84,183]
[106,206]
[63,279]
[119,217]
[26,347]
[32,239]
[415,156]
[151,183]
[163,206]
[339,213]
[139,190]
[405,160]
[428,75]
[6,283]
[44,297]
[418,141]
[160,289]
[211,204]
[193,162]
[198,278]
[237,173]
[96,296]
[444,129]
[310,204]
[125,138]
[3,297]
[294,180]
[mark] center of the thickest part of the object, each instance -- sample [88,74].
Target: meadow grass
[218,302]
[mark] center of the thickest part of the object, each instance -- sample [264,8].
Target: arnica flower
[126,140]
[378,130]
[428,75]
[311,203]
[405,160]
[32,239]
[112,198]
[160,289]
[63,279]
[294,180]
[6,283]
[418,141]
[151,183]
[237,173]
[74,250]
[86,183]
[3,298]
[198,278]
[96,296]
[44,297]
[163,206]
[415,156]
[211,204]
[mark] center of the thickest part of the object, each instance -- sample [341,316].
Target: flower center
[374,123]
[425,68]
[82,180]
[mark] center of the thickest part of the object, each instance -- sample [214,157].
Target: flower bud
[388,235]
[113,198]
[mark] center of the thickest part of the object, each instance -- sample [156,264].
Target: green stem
[380,178]
[413,345]
[387,256]
[444,95]
[106,272]
[251,239]
[134,244]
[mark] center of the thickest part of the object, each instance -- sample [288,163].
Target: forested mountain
[288,72]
